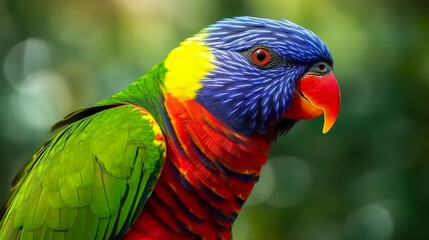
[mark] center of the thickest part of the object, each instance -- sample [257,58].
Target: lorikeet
[176,154]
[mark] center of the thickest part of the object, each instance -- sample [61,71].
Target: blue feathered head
[264,74]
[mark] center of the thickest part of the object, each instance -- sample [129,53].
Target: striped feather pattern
[208,174]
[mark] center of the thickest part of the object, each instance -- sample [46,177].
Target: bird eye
[261,56]
[321,68]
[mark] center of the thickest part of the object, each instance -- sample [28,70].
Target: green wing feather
[91,180]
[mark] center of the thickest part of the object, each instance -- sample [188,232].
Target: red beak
[314,95]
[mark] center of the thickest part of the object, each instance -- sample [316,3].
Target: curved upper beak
[316,95]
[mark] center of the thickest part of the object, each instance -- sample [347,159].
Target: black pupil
[261,56]
[322,67]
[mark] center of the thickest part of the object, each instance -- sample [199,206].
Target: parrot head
[258,76]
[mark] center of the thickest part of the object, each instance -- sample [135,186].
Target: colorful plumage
[176,154]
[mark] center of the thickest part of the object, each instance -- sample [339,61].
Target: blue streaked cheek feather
[248,98]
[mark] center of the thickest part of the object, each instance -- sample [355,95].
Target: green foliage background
[366,179]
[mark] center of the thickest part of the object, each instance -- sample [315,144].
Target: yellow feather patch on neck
[186,66]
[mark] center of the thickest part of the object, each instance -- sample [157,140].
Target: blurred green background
[366,179]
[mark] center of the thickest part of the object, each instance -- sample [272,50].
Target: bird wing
[90,180]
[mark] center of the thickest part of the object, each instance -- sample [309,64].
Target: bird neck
[214,169]
[196,130]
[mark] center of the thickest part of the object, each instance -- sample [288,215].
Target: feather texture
[210,172]
[83,183]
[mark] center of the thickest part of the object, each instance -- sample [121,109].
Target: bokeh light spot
[26,58]
[372,222]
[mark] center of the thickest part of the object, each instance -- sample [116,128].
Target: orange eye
[261,56]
